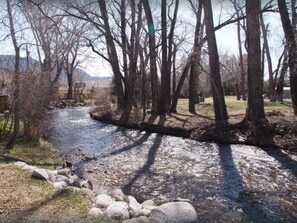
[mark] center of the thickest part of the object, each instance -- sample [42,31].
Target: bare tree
[271,85]
[153,57]
[255,106]
[292,50]
[221,116]
[16,97]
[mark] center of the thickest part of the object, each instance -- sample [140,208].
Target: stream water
[226,183]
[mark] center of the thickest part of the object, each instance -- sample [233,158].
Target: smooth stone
[65,172]
[88,194]
[118,211]
[41,174]
[62,178]
[155,220]
[134,206]
[119,193]
[104,200]
[141,219]
[149,203]
[95,212]
[60,185]
[145,212]
[175,212]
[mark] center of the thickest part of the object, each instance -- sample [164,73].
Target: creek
[226,183]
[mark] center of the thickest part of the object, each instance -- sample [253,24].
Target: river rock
[134,206]
[119,195]
[118,211]
[62,178]
[41,174]
[145,212]
[65,172]
[89,194]
[141,219]
[60,185]
[104,200]
[175,212]
[81,183]
[95,212]
[148,203]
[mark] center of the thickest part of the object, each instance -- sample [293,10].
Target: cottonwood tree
[221,115]
[255,105]
[16,96]
[239,24]
[292,49]
[266,50]
[152,56]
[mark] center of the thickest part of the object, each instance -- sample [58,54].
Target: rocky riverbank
[115,204]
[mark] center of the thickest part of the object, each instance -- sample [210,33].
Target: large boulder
[41,174]
[175,212]
[104,200]
[118,211]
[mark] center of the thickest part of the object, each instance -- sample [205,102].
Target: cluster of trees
[144,40]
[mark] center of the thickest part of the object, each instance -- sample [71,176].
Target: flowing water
[226,183]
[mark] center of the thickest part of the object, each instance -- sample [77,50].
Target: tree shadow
[284,159]
[31,210]
[234,188]
[203,116]
[127,189]
[141,140]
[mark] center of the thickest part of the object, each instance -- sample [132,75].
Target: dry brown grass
[24,199]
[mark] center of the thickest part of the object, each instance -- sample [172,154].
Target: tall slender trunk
[271,87]
[153,57]
[17,106]
[193,82]
[292,50]
[221,115]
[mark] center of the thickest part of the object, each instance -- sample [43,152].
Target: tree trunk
[180,85]
[271,87]
[292,49]
[153,57]
[255,105]
[16,97]
[221,116]
[281,79]
[113,57]
[193,82]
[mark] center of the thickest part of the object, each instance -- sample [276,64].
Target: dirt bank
[279,132]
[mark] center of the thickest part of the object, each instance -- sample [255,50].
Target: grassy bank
[24,199]
[280,132]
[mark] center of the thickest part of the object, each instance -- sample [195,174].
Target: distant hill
[7,63]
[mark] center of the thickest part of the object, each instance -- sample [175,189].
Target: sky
[226,38]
